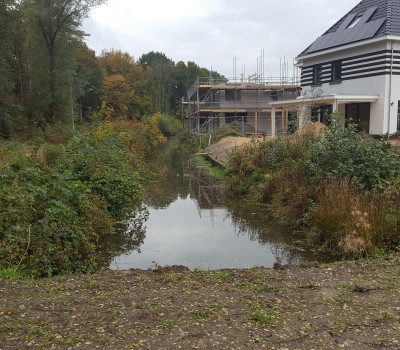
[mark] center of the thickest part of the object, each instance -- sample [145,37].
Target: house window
[359,114]
[321,114]
[317,74]
[336,72]
[398,117]
[233,95]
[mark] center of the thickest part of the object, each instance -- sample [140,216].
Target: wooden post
[273,122]
[256,124]
[198,108]
[287,120]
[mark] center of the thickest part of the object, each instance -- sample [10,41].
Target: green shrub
[252,168]
[121,190]
[344,153]
[169,125]
[288,194]
[344,186]
[52,154]
[241,167]
[41,226]
[57,203]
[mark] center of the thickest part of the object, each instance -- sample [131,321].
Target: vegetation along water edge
[341,186]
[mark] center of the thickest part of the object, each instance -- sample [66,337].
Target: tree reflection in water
[127,238]
[176,178]
[255,220]
[167,184]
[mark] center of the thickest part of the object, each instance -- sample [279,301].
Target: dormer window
[354,22]
[317,74]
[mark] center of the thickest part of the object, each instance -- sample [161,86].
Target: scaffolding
[245,104]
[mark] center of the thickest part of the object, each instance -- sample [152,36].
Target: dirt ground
[349,305]
[221,151]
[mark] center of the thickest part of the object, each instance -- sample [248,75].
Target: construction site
[245,103]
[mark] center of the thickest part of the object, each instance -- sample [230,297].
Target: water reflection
[127,239]
[168,185]
[253,220]
[192,222]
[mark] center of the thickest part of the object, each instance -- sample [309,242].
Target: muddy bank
[220,152]
[352,305]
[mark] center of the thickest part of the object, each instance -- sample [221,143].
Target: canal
[193,222]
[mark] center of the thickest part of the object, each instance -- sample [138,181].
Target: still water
[191,222]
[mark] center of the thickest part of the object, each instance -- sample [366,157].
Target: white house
[354,68]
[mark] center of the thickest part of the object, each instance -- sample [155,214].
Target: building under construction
[245,104]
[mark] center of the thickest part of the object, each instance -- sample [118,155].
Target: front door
[359,113]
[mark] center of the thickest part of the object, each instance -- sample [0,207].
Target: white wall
[395,96]
[395,99]
[378,85]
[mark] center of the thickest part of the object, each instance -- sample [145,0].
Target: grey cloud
[231,27]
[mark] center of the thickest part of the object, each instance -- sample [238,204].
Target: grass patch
[216,172]
[262,317]
[11,274]
[221,276]
[212,171]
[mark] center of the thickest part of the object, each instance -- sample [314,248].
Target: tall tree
[6,77]
[55,25]
[88,80]
[161,72]
[125,77]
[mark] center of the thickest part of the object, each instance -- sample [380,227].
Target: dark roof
[377,18]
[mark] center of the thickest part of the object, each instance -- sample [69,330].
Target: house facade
[354,69]
[245,104]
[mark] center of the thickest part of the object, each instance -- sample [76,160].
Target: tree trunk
[52,86]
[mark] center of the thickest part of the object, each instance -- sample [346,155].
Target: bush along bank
[58,201]
[342,186]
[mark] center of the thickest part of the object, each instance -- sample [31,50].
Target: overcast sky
[212,32]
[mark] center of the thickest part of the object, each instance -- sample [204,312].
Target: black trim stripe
[366,55]
[367,75]
[357,73]
[371,65]
[356,67]
[346,63]
[359,77]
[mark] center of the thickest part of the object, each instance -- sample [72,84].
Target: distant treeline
[48,74]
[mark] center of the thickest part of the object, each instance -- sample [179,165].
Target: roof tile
[384,21]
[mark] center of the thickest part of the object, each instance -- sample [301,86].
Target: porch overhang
[335,100]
